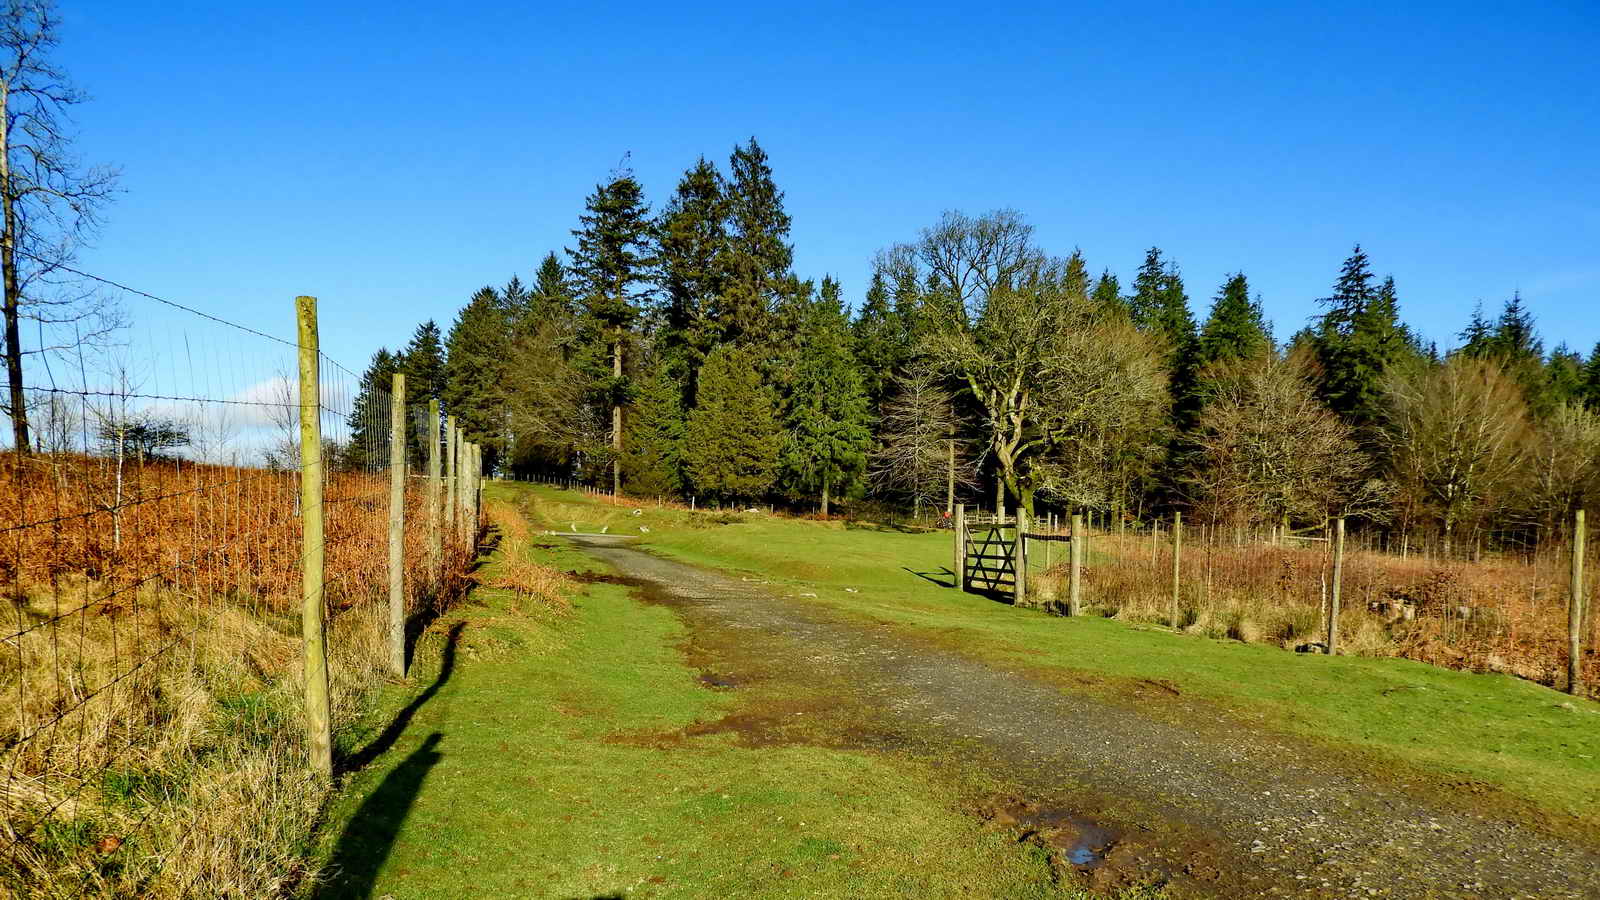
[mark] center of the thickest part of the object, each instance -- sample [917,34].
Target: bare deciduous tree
[1566,464]
[1457,441]
[48,202]
[920,453]
[1271,453]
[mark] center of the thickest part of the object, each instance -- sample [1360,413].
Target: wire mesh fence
[154,738]
[1499,603]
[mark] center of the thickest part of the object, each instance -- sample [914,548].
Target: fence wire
[150,550]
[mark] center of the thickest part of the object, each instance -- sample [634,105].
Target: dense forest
[676,352]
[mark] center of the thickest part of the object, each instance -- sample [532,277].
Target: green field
[534,754]
[1504,740]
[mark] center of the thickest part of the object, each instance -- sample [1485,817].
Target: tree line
[676,352]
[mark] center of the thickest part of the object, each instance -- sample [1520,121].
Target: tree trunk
[950,478]
[616,420]
[999,494]
[824,496]
[13,288]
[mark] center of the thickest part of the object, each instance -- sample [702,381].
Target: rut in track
[1211,808]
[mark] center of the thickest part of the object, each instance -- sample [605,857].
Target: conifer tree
[1476,337]
[552,294]
[653,459]
[422,361]
[1357,339]
[693,234]
[1235,330]
[474,372]
[1563,377]
[880,341]
[733,437]
[759,253]
[611,265]
[826,416]
[1591,379]
[368,419]
[1108,292]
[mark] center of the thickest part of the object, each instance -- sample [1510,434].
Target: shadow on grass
[370,834]
[380,744]
[942,577]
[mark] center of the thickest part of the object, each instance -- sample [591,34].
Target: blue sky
[391,158]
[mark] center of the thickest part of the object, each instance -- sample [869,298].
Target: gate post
[961,546]
[1021,551]
[1075,557]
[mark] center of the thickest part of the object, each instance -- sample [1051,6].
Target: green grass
[528,770]
[1434,726]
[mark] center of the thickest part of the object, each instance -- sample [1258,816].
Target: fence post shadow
[370,834]
[379,745]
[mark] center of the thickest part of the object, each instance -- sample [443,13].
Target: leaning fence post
[1020,563]
[435,548]
[319,734]
[1575,607]
[1177,561]
[1075,559]
[1338,580]
[397,526]
[961,546]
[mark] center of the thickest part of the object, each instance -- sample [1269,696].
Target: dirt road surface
[1122,792]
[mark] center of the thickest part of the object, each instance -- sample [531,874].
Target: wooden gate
[990,554]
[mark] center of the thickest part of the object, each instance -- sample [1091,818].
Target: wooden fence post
[1575,607]
[1177,561]
[1020,562]
[961,546]
[435,486]
[319,733]
[1075,559]
[1338,581]
[452,438]
[397,527]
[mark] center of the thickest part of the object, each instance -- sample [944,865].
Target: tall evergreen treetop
[368,419]
[827,419]
[1475,338]
[474,391]
[1107,292]
[693,252]
[733,438]
[423,362]
[1515,336]
[1358,338]
[1591,379]
[759,252]
[1351,295]
[612,261]
[1235,330]
[552,292]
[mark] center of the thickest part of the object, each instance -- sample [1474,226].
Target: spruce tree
[759,254]
[693,251]
[1144,303]
[1591,379]
[1107,292]
[477,348]
[880,341]
[653,459]
[826,414]
[733,438]
[368,419]
[422,361]
[1476,338]
[611,265]
[552,294]
[1235,330]
[1357,339]
[1563,375]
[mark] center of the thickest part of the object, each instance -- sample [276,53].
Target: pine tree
[759,254]
[368,419]
[422,361]
[1476,337]
[693,234]
[1591,379]
[1515,338]
[1108,292]
[880,341]
[1357,339]
[552,294]
[1235,330]
[474,373]
[653,460]
[733,437]
[1563,377]
[826,416]
[1144,303]
[612,266]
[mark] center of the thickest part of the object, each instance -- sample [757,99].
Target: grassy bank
[1444,728]
[549,749]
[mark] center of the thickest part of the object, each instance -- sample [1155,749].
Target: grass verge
[517,763]
[1493,737]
